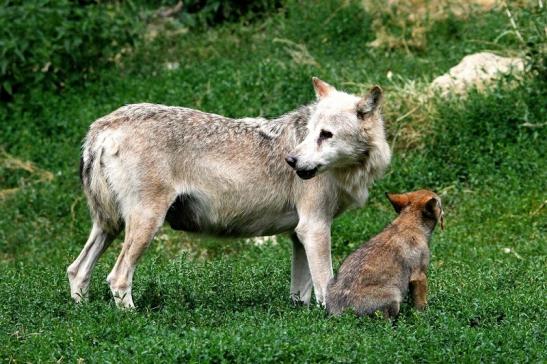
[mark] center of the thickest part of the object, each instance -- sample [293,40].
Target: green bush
[212,12]
[47,43]
[531,27]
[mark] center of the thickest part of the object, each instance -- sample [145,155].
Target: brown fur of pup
[378,275]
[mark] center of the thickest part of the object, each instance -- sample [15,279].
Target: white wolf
[145,164]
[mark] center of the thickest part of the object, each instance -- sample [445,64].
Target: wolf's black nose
[291,161]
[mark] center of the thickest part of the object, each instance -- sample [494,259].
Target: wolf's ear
[434,210]
[399,201]
[322,89]
[370,102]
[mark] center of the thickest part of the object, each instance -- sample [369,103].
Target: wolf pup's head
[424,204]
[343,130]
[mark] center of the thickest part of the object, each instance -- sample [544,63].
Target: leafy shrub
[212,12]
[49,42]
[529,28]
[406,24]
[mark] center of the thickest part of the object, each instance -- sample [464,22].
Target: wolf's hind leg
[301,283]
[79,272]
[140,229]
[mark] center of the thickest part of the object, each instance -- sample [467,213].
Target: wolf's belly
[192,214]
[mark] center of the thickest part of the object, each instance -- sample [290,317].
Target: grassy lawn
[223,301]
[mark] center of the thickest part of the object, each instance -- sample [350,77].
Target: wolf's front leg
[301,283]
[315,236]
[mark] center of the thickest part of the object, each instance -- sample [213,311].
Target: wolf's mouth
[306,173]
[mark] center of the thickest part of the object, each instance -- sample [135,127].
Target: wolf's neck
[354,181]
[298,117]
[295,121]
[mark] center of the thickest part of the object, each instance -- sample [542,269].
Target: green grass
[228,301]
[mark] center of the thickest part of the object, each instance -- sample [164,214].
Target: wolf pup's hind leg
[391,310]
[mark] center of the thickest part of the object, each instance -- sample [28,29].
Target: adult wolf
[145,164]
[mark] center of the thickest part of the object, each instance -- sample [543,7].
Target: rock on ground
[261,240]
[476,70]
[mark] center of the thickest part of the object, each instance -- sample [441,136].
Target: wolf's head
[343,130]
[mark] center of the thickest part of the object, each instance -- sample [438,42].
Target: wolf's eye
[325,134]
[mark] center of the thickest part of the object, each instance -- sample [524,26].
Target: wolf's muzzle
[291,161]
[306,173]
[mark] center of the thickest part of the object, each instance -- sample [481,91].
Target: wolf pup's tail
[100,196]
[333,302]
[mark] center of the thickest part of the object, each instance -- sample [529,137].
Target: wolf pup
[144,164]
[378,275]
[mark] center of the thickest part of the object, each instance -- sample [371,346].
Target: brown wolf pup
[378,275]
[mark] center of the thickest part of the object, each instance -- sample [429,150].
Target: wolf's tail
[101,198]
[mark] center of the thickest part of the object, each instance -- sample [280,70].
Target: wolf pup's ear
[399,201]
[322,89]
[434,210]
[370,102]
